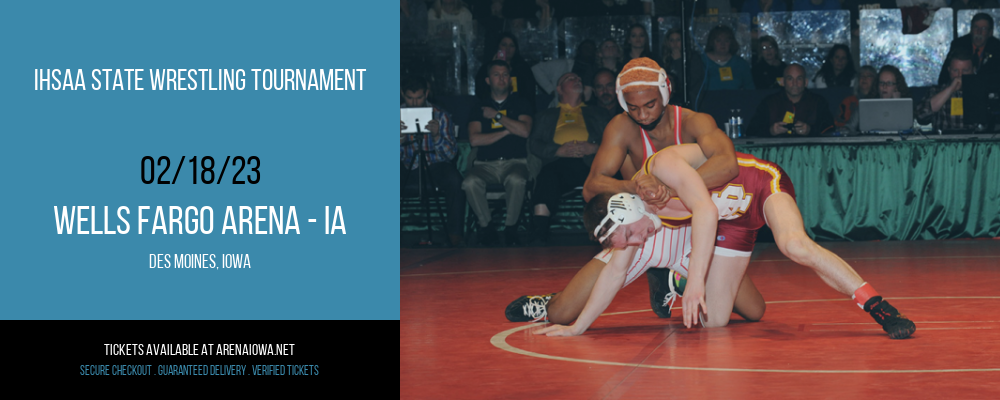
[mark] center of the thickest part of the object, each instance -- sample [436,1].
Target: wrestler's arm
[721,166]
[609,282]
[676,172]
[608,160]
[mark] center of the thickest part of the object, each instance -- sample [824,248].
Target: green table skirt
[893,191]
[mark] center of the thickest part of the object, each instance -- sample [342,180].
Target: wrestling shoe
[665,285]
[893,323]
[529,308]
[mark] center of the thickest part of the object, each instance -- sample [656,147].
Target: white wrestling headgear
[624,209]
[662,82]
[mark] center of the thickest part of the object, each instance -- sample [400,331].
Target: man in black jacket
[793,112]
[565,138]
[985,49]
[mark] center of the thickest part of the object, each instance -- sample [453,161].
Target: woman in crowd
[892,84]
[724,68]
[637,43]
[769,68]
[671,51]
[837,69]
[888,84]
[672,62]
[521,79]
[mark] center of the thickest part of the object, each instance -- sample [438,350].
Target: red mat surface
[812,342]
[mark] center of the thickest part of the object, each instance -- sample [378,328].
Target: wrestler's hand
[694,296]
[559,330]
[651,190]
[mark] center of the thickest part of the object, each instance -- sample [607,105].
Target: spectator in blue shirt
[724,68]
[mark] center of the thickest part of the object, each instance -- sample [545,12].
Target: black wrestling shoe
[893,323]
[529,308]
[665,285]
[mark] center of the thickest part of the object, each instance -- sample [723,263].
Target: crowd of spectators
[507,130]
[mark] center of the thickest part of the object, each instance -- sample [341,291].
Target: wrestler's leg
[785,220]
[725,275]
[566,305]
[749,303]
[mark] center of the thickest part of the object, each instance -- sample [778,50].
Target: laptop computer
[885,116]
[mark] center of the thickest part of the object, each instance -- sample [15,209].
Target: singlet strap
[647,146]
[677,125]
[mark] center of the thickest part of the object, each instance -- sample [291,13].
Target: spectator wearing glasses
[769,68]
[892,84]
